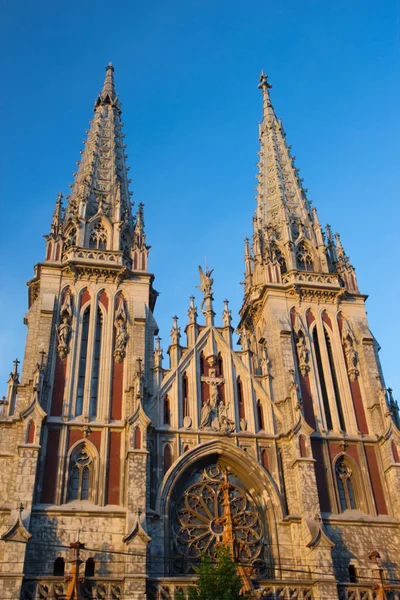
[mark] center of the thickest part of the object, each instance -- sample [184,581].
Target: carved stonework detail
[121,334]
[350,353]
[64,328]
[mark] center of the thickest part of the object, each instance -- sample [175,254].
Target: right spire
[287,234]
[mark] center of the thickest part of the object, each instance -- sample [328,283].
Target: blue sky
[187,75]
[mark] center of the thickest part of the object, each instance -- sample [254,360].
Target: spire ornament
[205,286]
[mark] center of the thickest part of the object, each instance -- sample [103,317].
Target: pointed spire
[264,86]
[57,222]
[139,235]
[108,86]
[226,315]
[101,183]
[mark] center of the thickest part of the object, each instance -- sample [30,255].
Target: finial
[226,315]
[158,355]
[329,234]
[139,235]
[175,332]
[108,86]
[192,312]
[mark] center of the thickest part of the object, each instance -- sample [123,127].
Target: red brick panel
[376,482]
[358,406]
[77,434]
[58,387]
[114,468]
[320,475]
[50,466]
[31,433]
[117,385]
[326,319]
[265,459]
[310,318]
[85,297]
[104,300]
[307,400]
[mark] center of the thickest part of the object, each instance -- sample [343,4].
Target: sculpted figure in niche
[302,353]
[121,334]
[349,351]
[64,329]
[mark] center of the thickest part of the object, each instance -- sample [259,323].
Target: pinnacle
[108,87]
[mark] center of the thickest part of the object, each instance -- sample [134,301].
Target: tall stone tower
[119,471]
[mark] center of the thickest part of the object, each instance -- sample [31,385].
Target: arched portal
[214,488]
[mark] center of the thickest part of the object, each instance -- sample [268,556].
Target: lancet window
[239,387]
[59,567]
[82,362]
[90,567]
[185,387]
[81,474]
[260,416]
[304,258]
[279,258]
[334,380]
[98,237]
[167,411]
[345,485]
[94,389]
[321,377]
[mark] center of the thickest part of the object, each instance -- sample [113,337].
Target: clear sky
[187,74]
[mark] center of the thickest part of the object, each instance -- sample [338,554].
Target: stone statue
[206,282]
[206,415]
[351,358]
[302,353]
[121,334]
[225,424]
[64,329]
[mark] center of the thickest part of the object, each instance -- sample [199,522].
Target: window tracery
[70,238]
[304,257]
[279,258]
[345,484]
[81,470]
[203,513]
[98,237]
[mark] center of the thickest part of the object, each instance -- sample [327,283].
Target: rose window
[214,507]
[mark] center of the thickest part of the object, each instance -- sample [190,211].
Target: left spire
[99,212]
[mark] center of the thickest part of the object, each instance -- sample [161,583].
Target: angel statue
[206,282]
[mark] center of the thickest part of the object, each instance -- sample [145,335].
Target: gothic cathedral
[119,469]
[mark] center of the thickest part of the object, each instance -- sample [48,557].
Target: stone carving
[138,384]
[64,329]
[121,334]
[302,354]
[205,286]
[206,415]
[225,424]
[350,353]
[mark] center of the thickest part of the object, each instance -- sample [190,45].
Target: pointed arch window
[98,237]
[304,258]
[59,567]
[167,457]
[265,459]
[345,485]
[167,411]
[239,388]
[81,471]
[185,388]
[280,259]
[138,438]
[82,362]
[220,365]
[94,387]
[90,567]
[260,416]
[334,380]
[321,377]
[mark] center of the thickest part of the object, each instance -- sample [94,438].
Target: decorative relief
[203,514]
[64,329]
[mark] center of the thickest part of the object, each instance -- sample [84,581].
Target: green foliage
[218,579]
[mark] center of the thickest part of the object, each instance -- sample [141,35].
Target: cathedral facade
[120,468]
